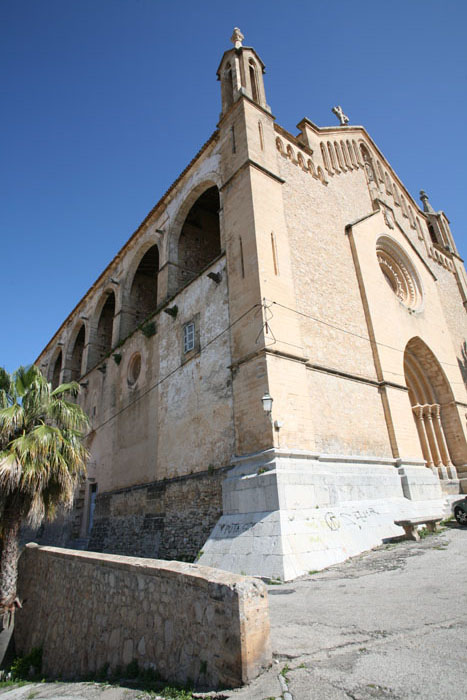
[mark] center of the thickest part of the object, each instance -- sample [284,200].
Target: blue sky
[104,102]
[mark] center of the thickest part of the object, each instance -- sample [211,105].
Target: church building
[275,363]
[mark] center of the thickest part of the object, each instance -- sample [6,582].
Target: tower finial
[426,204]
[237,38]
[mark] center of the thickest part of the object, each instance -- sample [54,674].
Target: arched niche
[199,241]
[142,295]
[368,162]
[434,409]
[76,354]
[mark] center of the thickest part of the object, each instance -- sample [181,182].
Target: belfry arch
[199,242]
[434,410]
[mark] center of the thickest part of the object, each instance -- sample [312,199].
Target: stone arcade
[294,266]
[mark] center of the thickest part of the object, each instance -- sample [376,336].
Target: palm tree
[42,459]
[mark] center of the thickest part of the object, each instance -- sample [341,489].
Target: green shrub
[26,667]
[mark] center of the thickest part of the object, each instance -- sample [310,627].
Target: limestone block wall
[188,622]
[341,424]
[169,519]
[326,288]
[326,285]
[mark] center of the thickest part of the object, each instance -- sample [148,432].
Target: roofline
[349,129]
[118,256]
[238,52]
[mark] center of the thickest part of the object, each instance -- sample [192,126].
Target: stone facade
[187,622]
[293,265]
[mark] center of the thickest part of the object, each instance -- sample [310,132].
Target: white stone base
[287,513]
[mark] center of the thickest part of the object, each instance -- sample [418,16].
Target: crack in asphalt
[374,637]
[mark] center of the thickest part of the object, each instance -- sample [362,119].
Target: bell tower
[241,73]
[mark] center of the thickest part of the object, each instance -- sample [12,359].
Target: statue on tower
[339,112]
[237,38]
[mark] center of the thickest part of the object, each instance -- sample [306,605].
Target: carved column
[418,414]
[428,420]
[443,448]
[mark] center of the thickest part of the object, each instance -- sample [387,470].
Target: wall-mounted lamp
[267,403]
[215,276]
[60,343]
[160,230]
[84,318]
[112,280]
[172,311]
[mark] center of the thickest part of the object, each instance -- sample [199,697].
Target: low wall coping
[199,575]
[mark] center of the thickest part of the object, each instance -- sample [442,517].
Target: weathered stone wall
[185,621]
[168,519]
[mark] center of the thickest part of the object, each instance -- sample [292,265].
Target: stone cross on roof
[237,38]
[339,112]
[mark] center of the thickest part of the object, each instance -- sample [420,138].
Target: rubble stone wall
[169,519]
[187,622]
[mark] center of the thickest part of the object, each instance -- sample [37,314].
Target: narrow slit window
[189,337]
[261,140]
[234,146]
[274,254]
[241,258]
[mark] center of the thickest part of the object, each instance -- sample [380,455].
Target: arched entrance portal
[433,408]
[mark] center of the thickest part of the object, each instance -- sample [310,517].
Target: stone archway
[142,294]
[199,241]
[56,370]
[434,410]
[76,354]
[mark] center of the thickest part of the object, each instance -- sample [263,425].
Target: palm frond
[72,388]
[25,377]
[11,422]
[10,472]
[68,415]
[43,455]
[6,388]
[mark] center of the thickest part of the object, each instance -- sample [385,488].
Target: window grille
[188,337]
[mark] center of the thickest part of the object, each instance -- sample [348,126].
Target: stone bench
[411,524]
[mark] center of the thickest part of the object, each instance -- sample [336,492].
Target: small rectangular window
[189,337]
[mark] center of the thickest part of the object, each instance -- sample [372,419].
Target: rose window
[399,273]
